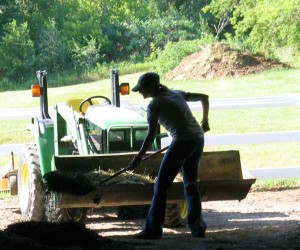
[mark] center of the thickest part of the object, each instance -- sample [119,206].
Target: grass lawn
[270,83]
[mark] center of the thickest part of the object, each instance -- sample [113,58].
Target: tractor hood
[106,116]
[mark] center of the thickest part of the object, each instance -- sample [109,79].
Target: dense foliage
[83,36]
[259,25]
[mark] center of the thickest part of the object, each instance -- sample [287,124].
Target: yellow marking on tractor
[183,210]
[24,175]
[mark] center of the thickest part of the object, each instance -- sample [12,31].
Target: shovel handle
[129,167]
[154,154]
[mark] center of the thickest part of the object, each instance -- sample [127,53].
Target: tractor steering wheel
[89,100]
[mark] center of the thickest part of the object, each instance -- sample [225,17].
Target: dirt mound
[218,61]
[52,236]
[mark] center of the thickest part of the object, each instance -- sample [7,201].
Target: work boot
[199,233]
[147,234]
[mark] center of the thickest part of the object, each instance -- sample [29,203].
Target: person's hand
[135,162]
[205,125]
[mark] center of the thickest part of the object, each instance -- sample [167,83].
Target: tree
[83,22]
[262,26]
[268,25]
[86,57]
[223,11]
[8,12]
[58,35]
[51,51]
[17,52]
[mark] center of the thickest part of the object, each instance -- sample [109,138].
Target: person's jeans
[185,155]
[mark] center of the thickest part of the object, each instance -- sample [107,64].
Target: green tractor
[95,133]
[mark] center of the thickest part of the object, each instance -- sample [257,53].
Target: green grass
[269,83]
[277,184]
[6,195]
[14,131]
[4,160]
[221,122]
[265,155]
[253,120]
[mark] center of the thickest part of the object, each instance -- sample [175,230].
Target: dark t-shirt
[172,112]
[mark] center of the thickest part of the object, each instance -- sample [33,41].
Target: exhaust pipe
[114,76]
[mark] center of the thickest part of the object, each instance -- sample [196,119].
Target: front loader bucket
[220,178]
[133,194]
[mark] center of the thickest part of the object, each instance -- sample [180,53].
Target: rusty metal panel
[105,162]
[221,165]
[225,190]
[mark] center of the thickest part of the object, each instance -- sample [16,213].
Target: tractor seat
[74,103]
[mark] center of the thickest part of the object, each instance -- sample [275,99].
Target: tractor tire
[175,215]
[30,186]
[56,214]
[132,212]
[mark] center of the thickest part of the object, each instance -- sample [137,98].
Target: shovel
[129,167]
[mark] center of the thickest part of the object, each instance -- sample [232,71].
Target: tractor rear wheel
[30,186]
[175,215]
[133,212]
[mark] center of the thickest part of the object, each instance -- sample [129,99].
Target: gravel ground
[264,220]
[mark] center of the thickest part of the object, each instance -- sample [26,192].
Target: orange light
[124,89]
[35,90]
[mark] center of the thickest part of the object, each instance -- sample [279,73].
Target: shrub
[86,57]
[174,52]
[52,52]
[17,52]
[268,24]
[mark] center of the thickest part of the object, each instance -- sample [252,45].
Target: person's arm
[146,144]
[204,99]
[148,140]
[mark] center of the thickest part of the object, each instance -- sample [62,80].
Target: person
[169,108]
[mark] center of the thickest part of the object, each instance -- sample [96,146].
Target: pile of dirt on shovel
[54,236]
[219,60]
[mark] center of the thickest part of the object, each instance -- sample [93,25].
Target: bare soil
[263,220]
[218,61]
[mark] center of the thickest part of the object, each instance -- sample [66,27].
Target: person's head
[148,84]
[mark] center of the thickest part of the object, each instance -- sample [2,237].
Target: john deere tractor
[85,135]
